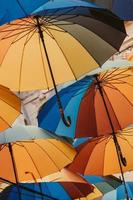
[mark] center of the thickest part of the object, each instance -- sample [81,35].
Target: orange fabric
[117,87]
[99,157]
[10,107]
[36,159]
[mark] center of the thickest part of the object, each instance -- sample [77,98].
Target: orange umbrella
[88,162]
[107,105]
[10,108]
[39,157]
[33,159]
[100,156]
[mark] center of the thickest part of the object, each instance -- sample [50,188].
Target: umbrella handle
[66,120]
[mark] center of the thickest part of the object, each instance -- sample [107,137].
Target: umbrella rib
[25,20]
[8,25]
[124,96]
[63,24]
[32,161]
[34,30]
[45,152]
[5,121]
[108,73]
[112,109]
[15,29]
[9,32]
[47,27]
[7,52]
[65,57]
[126,141]
[17,34]
[56,17]
[118,77]
[44,29]
[112,74]
[59,148]
[21,65]
[84,48]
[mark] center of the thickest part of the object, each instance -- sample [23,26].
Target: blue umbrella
[49,111]
[119,193]
[50,6]
[51,190]
[14,9]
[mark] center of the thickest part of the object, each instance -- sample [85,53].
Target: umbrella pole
[66,121]
[121,159]
[15,171]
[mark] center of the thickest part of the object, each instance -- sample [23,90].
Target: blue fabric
[79,141]
[55,4]
[11,10]
[123,8]
[94,179]
[49,117]
[119,193]
[52,189]
[15,9]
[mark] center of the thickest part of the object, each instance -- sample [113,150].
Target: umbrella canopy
[119,193]
[10,108]
[59,191]
[33,159]
[88,162]
[85,105]
[30,47]
[121,8]
[14,9]
[51,35]
[21,132]
[64,175]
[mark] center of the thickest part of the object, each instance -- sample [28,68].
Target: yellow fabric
[23,62]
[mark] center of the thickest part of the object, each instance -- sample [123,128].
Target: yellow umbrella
[41,52]
[10,108]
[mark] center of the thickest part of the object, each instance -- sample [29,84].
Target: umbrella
[83,101]
[14,9]
[23,158]
[109,161]
[55,190]
[10,108]
[119,193]
[21,132]
[104,184]
[122,8]
[72,40]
